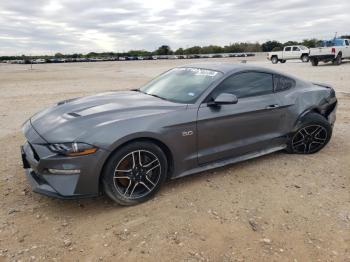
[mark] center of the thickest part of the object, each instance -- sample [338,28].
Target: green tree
[92,54]
[270,45]
[193,50]
[59,55]
[212,49]
[291,43]
[180,51]
[310,42]
[164,50]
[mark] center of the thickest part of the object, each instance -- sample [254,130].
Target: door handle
[272,106]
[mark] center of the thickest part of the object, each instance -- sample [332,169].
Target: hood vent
[73,114]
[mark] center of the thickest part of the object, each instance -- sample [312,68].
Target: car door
[233,130]
[296,52]
[287,53]
[346,49]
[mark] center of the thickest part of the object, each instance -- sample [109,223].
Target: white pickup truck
[331,51]
[289,52]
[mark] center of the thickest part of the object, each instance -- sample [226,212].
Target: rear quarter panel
[300,100]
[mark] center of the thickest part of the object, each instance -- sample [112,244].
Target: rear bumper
[322,57]
[332,115]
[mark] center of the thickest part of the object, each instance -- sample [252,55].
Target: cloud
[49,26]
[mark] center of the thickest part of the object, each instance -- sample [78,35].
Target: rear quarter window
[282,83]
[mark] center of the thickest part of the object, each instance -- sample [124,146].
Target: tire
[274,60]
[313,134]
[283,61]
[136,181]
[314,61]
[337,60]
[305,58]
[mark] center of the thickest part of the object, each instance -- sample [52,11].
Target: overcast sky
[50,26]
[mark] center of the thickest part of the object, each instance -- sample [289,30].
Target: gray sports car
[189,119]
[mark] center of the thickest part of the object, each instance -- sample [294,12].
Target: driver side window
[246,84]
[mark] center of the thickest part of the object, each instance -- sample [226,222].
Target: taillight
[333,50]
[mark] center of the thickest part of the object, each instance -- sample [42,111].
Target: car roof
[228,68]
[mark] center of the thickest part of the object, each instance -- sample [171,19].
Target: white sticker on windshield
[191,94]
[198,71]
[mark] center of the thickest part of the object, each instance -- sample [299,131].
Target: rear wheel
[337,60]
[135,173]
[274,60]
[305,58]
[314,61]
[283,61]
[313,134]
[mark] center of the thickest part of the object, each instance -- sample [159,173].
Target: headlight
[73,149]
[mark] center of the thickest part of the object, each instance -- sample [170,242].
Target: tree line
[242,47]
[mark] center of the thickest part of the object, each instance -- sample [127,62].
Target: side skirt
[225,162]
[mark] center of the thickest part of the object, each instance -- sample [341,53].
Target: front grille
[35,154]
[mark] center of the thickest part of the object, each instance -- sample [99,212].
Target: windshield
[330,43]
[181,85]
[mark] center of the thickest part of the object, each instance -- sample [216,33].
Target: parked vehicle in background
[330,51]
[288,53]
[15,62]
[38,61]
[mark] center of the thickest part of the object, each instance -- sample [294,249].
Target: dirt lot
[278,207]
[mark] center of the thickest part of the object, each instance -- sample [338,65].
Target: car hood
[70,119]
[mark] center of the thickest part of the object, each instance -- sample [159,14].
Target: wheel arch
[168,153]
[311,110]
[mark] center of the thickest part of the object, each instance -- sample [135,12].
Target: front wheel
[312,135]
[134,173]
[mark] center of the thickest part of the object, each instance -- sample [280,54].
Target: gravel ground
[278,207]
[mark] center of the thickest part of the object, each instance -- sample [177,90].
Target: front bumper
[38,159]
[40,186]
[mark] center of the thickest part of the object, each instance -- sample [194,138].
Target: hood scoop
[73,114]
[87,111]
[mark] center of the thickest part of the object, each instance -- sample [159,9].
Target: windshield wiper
[138,90]
[157,96]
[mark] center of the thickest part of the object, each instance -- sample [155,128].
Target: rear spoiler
[322,85]
[332,91]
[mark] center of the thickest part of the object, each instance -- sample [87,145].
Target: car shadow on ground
[331,64]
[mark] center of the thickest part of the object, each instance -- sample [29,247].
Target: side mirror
[224,99]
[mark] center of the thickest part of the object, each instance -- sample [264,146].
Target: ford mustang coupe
[187,120]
